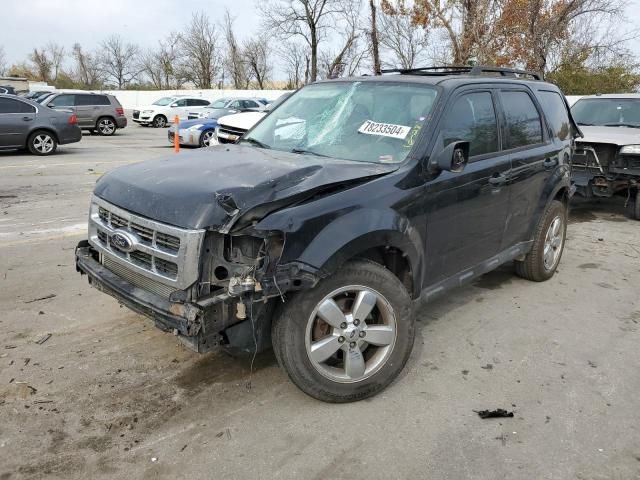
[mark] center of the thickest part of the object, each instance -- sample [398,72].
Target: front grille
[137,279]
[594,155]
[136,114]
[229,134]
[164,253]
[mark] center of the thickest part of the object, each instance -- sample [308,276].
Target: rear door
[86,110]
[65,101]
[16,119]
[467,210]
[534,158]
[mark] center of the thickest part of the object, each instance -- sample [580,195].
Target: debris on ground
[488,366]
[592,365]
[497,413]
[43,338]
[46,297]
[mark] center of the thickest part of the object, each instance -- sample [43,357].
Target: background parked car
[195,133]
[40,98]
[223,107]
[35,94]
[95,111]
[162,112]
[7,90]
[26,124]
[607,158]
[232,127]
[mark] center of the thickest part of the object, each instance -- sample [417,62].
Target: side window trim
[468,90]
[546,139]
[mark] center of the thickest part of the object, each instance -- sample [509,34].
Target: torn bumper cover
[183,317]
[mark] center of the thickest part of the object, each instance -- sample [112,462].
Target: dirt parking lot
[106,395]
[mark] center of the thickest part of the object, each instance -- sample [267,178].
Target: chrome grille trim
[164,253]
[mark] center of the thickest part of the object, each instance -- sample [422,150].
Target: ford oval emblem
[123,240]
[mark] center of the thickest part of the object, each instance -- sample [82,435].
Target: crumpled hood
[213,187]
[612,135]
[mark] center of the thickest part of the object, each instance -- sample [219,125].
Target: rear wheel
[349,337]
[205,138]
[42,143]
[106,126]
[542,261]
[636,206]
[159,121]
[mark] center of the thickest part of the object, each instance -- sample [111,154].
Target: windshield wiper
[622,124]
[586,124]
[307,152]
[255,142]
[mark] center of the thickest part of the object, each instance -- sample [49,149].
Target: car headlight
[147,111]
[195,127]
[630,150]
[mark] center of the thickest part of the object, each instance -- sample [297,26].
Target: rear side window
[472,118]
[62,101]
[8,105]
[523,120]
[556,113]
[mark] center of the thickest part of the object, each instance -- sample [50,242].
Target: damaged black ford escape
[319,230]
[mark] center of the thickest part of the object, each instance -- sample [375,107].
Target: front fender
[355,231]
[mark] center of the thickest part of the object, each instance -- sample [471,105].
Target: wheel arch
[35,130]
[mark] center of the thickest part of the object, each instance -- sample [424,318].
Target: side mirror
[452,158]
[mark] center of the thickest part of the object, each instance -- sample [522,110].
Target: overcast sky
[25,24]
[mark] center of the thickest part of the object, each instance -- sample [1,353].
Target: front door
[86,110]
[467,210]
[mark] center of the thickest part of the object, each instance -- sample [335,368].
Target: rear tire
[635,212]
[42,143]
[206,137]
[159,121]
[343,361]
[106,126]
[548,244]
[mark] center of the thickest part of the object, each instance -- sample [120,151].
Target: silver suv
[95,112]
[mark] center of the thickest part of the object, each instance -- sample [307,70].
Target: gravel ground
[106,395]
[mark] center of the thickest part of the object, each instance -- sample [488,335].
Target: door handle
[27,119]
[550,162]
[497,179]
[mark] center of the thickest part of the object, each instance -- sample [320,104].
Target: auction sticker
[384,129]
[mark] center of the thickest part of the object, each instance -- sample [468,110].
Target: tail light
[120,110]
[73,119]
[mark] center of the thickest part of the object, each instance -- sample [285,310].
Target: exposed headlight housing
[630,150]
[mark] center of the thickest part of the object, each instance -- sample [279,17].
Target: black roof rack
[464,70]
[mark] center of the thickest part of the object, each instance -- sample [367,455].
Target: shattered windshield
[363,121]
[164,101]
[609,112]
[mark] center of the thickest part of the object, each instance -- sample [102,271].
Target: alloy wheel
[351,334]
[206,138]
[43,143]
[106,126]
[553,243]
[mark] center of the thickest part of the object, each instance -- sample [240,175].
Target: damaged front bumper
[185,319]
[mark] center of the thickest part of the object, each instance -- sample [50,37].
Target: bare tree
[308,19]
[56,54]
[87,67]
[256,57]
[234,62]
[119,61]
[3,61]
[200,47]
[163,64]
[42,65]
[295,59]
[373,36]
[402,37]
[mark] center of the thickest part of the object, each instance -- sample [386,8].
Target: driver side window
[472,118]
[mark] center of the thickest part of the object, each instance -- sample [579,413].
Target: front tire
[349,337]
[106,126]
[159,121]
[635,212]
[42,143]
[542,261]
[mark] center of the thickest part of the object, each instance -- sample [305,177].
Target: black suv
[347,203]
